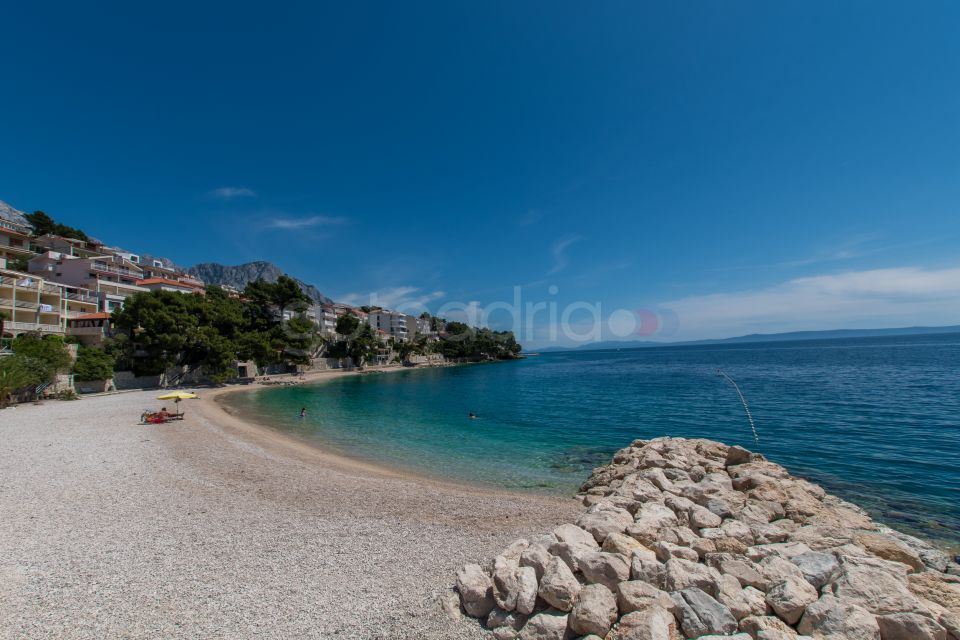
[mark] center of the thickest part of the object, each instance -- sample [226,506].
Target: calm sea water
[875,420]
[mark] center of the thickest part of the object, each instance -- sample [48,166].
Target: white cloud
[410,300]
[855,299]
[229,193]
[559,251]
[304,223]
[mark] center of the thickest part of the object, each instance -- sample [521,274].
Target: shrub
[93,364]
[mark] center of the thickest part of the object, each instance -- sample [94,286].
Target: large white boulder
[700,614]
[559,587]
[790,597]
[476,590]
[608,569]
[594,611]
[833,619]
[545,626]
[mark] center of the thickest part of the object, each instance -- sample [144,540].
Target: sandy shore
[217,528]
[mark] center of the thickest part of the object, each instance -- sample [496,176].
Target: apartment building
[393,323]
[165,284]
[15,241]
[33,304]
[112,277]
[326,319]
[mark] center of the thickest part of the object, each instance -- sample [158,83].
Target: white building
[393,323]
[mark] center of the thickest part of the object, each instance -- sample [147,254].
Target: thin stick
[746,407]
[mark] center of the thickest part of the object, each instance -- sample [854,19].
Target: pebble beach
[215,528]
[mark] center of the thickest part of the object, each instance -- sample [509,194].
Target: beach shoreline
[217,527]
[212,406]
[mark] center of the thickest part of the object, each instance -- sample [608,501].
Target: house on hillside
[113,278]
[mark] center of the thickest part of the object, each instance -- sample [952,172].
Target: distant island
[790,336]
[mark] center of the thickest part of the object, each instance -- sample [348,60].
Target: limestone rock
[571,552]
[648,570]
[701,517]
[527,590]
[818,568]
[536,557]
[666,550]
[910,626]
[745,572]
[936,587]
[950,620]
[594,611]
[476,590]
[652,623]
[736,455]
[506,583]
[768,625]
[608,569]
[742,601]
[790,597]
[545,626]
[658,514]
[602,520]
[683,574]
[729,545]
[559,587]
[889,549]
[636,595]
[516,547]
[622,544]
[774,569]
[504,633]
[830,618]
[700,614]
[573,534]
[500,618]
[879,586]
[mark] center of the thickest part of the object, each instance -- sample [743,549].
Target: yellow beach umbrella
[177,395]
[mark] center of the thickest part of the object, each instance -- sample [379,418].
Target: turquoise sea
[875,420]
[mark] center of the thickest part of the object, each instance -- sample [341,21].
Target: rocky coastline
[683,538]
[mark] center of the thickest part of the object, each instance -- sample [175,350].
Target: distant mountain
[240,275]
[13,215]
[830,334]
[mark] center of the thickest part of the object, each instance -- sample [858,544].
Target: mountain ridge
[240,275]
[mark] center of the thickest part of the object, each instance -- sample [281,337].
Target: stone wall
[694,539]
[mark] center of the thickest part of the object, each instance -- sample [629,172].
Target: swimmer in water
[303,412]
[472,416]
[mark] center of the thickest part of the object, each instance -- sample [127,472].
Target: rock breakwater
[686,538]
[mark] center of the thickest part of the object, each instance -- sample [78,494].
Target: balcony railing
[123,271]
[82,297]
[25,282]
[12,226]
[19,304]
[11,325]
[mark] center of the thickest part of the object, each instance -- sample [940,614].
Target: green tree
[301,338]
[46,356]
[159,325]
[43,224]
[347,324]
[283,294]
[16,373]
[93,364]
[363,346]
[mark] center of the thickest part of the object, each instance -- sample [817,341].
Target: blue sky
[727,167]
